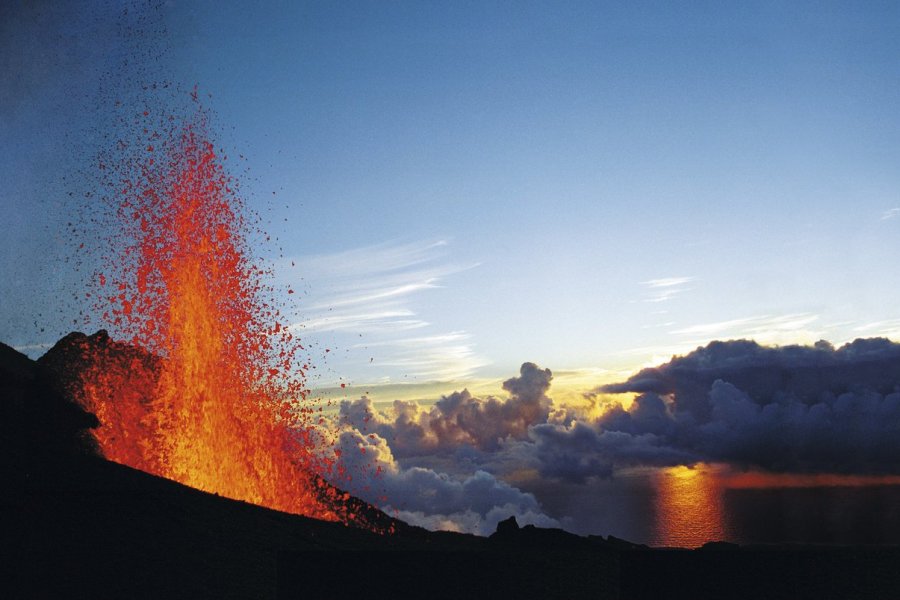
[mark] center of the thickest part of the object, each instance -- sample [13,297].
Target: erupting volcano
[208,387]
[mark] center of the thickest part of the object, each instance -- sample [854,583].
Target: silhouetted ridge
[39,426]
[81,526]
[76,352]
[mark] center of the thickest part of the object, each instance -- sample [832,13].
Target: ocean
[683,507]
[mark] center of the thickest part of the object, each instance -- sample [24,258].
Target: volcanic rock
[138,370]
[76,525]
[507,527]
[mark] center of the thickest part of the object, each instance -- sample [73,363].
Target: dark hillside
[76,525]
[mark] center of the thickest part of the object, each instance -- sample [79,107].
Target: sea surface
[688,507]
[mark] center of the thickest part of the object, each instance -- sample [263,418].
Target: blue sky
[466,186]
[463,187]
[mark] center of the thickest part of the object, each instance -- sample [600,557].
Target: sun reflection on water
[689,507]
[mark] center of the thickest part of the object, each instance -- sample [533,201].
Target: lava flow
[206,390]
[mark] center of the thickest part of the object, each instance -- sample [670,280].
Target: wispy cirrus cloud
[890,213]
[667,282]
[386,290]
[762,328]
[889,328]
[362,321]
[789,328]
[375,293]
[368,289]
[665,288]
[365,261]
[439,357]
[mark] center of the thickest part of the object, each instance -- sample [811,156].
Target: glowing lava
[216,402]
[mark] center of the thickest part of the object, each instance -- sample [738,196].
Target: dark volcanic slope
[75,525]
[139,370]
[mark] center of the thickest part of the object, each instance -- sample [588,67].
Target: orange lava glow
[217,401]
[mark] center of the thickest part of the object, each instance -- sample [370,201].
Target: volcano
[207,387]
[182,457]
[130,375]
[78,525]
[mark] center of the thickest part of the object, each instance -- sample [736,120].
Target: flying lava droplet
[217,405]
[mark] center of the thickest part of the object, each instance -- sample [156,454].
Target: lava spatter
[213,399]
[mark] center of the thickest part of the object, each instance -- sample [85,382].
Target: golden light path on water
[689,507]
[689,502]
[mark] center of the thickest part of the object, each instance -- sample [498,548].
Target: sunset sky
[459,188]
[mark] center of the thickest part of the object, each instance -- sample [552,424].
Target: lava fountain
[206,390]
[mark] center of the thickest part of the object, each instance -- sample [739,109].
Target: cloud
[889,328]
[767,370]
[666,288]
[441,357]
[458,419]
[370,321]
[890,214]
[428,498]
[788,328]
[760,328]
[463,429]
[792,409]
[484,423]
[374,292]
[368,288]
[383,258]
[579,451]
[667,282]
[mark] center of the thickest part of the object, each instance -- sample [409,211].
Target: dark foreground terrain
[77,526]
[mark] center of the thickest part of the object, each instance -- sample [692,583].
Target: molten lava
[216,402]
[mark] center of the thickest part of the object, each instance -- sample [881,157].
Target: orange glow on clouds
[757,479]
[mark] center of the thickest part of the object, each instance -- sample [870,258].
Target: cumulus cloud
[458,425]
[458,419]
[461,418]
[764,372]
[580,451]
[793,408]
[428,498]
[800,409]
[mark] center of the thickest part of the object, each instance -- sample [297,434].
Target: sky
[473,185]
[460,188]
